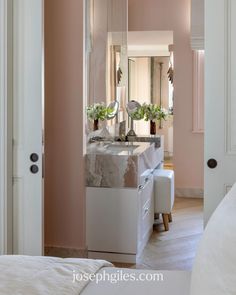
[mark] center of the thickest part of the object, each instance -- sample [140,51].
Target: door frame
[6,230]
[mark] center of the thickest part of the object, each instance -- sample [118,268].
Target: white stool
[164,194]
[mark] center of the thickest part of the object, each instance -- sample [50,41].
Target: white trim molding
[197,24]
[5,128]
[230,74]
[65,252]
[189,192]
[3,93]
[198,91]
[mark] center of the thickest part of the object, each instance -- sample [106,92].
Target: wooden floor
[175,249]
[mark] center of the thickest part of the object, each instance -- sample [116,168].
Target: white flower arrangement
[154,112]
[98,111]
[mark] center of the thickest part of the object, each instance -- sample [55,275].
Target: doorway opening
[151,81]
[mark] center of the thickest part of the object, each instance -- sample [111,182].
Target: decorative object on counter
[99,111]
[100,135]
[153,113]
[135,112]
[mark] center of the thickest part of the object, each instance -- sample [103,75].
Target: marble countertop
[120,164]
[157,139]
[118,148]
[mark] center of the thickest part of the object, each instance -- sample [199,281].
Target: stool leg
[156,216]
[170,217]
[166,221]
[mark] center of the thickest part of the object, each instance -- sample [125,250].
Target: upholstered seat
[164,194]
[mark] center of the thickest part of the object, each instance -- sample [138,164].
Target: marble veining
[117,165]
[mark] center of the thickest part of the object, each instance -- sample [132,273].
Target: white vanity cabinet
[119,221]
[119,198]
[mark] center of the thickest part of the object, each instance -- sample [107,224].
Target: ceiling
[149,43]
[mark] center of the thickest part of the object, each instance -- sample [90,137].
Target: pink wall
[175,15]
[64,183]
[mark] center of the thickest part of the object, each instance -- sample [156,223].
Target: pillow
[214,270]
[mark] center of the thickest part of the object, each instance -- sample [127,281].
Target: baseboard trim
[189,193]
[65,252]
[113,257]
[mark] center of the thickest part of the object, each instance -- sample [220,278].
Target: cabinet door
[112,219]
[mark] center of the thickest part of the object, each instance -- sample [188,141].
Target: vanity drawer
[146,220]
[145,189]
[146,210]
[147,217]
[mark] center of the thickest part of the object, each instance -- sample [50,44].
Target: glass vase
[95,125]
[153,128]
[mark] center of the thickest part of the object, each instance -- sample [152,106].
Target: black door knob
[34,157]
[34,169]
[212,163]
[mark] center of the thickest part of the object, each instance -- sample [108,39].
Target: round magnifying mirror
[114,107]
[132,108]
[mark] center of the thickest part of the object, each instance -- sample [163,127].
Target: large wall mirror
[107,59]
[151,74]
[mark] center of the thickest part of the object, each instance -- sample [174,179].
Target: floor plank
[175,249]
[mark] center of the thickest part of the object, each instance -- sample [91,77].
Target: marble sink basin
[122,147]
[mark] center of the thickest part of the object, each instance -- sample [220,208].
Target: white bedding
[214,271]
[23,275]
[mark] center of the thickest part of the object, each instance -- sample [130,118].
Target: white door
[220,118]
[3,91]
[27,126]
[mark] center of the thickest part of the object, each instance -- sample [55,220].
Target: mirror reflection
[107,59]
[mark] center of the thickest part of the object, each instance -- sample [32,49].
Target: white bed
[23,275]
[214,271]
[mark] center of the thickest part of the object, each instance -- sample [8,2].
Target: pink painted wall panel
[175,15]
[64,182]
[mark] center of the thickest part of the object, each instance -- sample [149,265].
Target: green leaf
[98,111]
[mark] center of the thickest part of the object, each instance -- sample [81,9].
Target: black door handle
[34,157]
[212,163]
[34,169]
